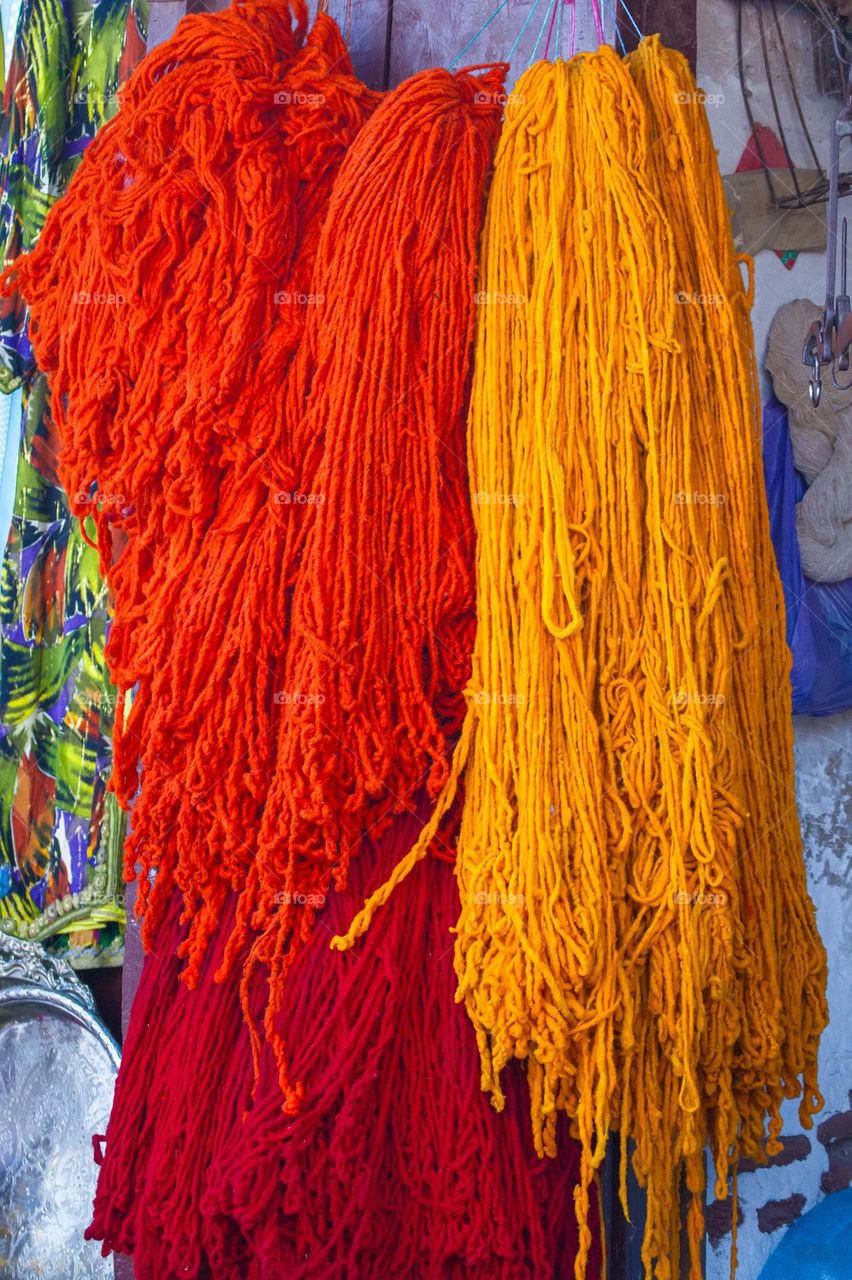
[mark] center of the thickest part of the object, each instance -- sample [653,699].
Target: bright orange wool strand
[283,411]
[382,616]
[168,295]
[629,863]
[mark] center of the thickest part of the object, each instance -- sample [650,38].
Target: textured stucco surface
[772,1196]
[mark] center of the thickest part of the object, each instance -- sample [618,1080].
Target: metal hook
[811,356]
[835,40]
[830,337]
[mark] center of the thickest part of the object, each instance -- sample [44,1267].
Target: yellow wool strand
[629,864]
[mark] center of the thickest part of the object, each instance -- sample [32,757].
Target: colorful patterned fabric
[60,832]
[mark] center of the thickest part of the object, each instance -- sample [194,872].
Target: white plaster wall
[717,75]
[823,759]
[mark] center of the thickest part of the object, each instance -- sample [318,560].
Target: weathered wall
[822,1160]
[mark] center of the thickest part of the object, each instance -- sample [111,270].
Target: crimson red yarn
[396,1166]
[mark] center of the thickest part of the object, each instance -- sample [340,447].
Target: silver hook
[815,384]
[839,385]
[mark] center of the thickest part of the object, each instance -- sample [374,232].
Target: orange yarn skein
[382,614]
[279,399]
[167,296]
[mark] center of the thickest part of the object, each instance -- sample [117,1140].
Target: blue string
[624,6]
[540,34]
[613,9]
[474,39]
[619,36]
[520,36]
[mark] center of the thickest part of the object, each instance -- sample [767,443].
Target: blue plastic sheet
[819,614]
[818,1246]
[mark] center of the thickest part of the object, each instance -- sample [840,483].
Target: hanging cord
[599,29]
[619,37]
[818,193]
[520,35]
[633,22]
[794,91]
[559,11]
[752,123]
[557,8]
[770,84]
[482,29]
[534,53]
[553,21]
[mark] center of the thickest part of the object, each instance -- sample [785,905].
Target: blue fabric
[819,614]
[818,1246]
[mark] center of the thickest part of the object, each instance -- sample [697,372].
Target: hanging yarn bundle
[630,867]
[821,440]
[335,527]
[169,294]
[325,516]
[228,555]
[396,1164]
[777,1012]
[381,621]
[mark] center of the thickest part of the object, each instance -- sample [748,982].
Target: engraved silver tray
[58,1065]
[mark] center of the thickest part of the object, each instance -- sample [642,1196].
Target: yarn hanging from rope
[222,509]
[635,925]
[324,515]
[169,297]
[396,1164]
[381,620]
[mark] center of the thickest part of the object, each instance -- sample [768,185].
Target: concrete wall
[822,1160]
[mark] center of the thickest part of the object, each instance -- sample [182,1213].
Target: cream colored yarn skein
[821,439]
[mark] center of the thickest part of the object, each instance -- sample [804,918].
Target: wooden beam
[369,32]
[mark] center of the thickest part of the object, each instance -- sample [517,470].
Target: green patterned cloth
[61,834]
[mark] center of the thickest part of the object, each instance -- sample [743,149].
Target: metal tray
[58,1065]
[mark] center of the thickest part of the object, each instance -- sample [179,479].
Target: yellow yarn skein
[629,862]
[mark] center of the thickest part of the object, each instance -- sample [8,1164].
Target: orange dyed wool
[280,401]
